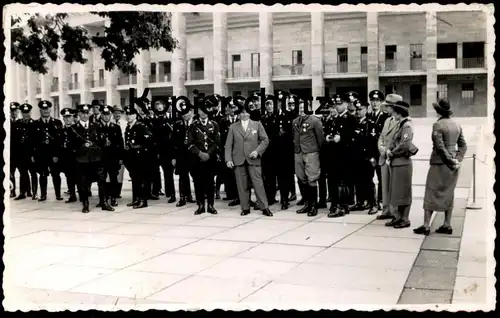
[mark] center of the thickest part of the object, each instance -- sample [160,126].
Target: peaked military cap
[337,99]
[130,110]
[376,95]
[95,102]
[25,108]
[182,106]
[14,106]
[351,96]
[67,112]
[84,108]
[44,104]
[106,109]
[239,104]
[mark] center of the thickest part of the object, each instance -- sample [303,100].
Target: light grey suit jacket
[239,143]
[386,136]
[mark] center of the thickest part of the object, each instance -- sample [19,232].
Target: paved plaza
[58,258]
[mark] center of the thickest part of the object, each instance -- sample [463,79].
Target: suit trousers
[269,173]
[203,177]
[254,173]
[378,172]
[230,183]
[86,172]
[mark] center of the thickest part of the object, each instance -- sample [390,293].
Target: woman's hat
[391,99]
[401,107]
[442,107]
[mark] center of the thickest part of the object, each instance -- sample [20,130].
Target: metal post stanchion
[474,205]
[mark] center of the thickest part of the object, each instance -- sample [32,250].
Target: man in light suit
[245,144]
[384,141]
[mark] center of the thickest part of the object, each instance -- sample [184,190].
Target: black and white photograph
[249,157]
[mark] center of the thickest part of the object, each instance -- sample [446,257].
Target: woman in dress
[399,156]
[448,151]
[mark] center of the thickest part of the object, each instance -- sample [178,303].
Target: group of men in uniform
[95,148]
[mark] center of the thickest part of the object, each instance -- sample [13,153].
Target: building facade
[419,55]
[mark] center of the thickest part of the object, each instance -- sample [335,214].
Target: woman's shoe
[422,230]
[444,230]
[402,224]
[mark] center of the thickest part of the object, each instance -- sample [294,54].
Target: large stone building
[420,55]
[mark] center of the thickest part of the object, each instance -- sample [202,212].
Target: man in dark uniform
[162,130]
[182,156]
[96,112]
[228,174]
[364,156]
[67,154]
[112,156]
[308,139]
[285,151]
[217,116]
[351,97]
[88,143]
[204,143]
[269,158]
[46,150]
[25,166]
[378,117]
[342,169]
[326,155]
[138,147]
[15,147]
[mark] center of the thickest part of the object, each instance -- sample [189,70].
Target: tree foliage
[45,37]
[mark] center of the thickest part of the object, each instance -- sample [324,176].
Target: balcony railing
[98,83]
[38,90]
[74,85]
[196,75]
[242,72]
[124,80]
[152,78]
[401,65]
[165,77]
[416,64]
[291,70]
[346,67]
[473,62]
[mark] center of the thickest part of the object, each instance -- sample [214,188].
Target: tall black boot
[34,186]
[313,201]
[306,198]
[43,188]
[56,180]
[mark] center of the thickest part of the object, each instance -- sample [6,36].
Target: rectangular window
[442,91]
[236,93]
[415,94]
[390,52]
[153,69]
[364,59]
[236,66]
[297,57]
[416,51]
[342,60]
[101,74]
[75,77]
[198,64]
[122,101]
[468,94]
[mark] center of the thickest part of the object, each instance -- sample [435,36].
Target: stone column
[87,77]
[179,55]
[373,50]
[22,80]
[266,51]
[31,81]
[317,55]
[46,81]
[144,70]
[460,52]
[13,86]
[220,52]
[431,60]
[112,94]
